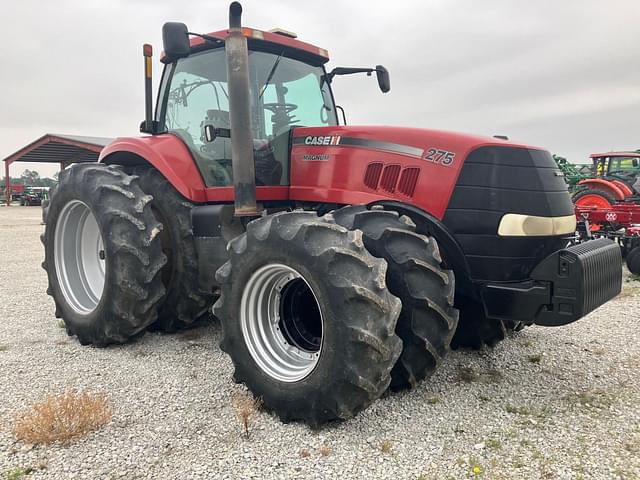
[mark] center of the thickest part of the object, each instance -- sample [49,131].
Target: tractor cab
[623,166]
[286,90]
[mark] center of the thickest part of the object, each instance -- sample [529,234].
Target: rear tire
[414,274]
[184,302]
[633,261]
[307,318]
[102,254]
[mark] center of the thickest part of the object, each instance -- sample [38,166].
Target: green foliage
[31,178]
[17,473]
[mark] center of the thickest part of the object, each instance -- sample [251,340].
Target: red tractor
[342,260]
[616,179]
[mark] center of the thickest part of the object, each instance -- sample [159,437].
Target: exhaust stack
[244,177]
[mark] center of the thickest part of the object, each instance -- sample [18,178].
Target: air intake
[390,178]
[408,181]
[372,175]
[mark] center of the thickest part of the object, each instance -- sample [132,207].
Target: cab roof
[272,41]
[616,154]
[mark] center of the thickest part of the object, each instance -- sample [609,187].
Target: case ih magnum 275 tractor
[342,260]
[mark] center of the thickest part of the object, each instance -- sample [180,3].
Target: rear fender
[624,188]
[606,185]
[167,154]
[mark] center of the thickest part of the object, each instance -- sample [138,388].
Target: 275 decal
[443,157]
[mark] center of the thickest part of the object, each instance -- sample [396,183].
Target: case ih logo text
[328,140]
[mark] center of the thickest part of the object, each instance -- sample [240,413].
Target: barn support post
[7,183]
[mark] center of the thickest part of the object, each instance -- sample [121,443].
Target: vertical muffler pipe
[244,176]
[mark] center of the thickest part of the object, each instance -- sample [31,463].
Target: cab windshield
[285,93]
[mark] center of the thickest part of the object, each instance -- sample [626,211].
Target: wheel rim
[593,200]
[79,257]
[281,322]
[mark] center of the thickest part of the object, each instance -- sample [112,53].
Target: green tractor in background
[572,173]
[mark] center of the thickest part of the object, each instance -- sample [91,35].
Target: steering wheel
[286,108]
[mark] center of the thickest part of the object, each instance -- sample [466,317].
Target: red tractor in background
[616,178]
[342,260]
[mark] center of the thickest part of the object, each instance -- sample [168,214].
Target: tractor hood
[415,165]
[414,142]
[467,182]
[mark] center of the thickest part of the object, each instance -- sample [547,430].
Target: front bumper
[563,288]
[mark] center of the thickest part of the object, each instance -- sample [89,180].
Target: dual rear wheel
[120,254]
[321,315]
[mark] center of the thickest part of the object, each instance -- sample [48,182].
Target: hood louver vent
[391,178]
[408,181]
[372,175]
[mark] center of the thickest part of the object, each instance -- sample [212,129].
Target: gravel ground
[548,403]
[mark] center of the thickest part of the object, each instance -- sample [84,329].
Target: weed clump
[246,406]
[386,446]
[62,417]
[325,451]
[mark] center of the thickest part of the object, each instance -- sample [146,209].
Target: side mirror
[383,78]
[634,162]
[175,41]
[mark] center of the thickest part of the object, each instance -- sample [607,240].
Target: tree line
[31,178]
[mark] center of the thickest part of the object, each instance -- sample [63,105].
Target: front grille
[496,180]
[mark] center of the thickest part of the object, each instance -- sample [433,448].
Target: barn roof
[56,148]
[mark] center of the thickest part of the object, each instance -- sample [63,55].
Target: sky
[564,75]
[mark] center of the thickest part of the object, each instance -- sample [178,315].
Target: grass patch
[595,399]
[4,348]
[433,400]
[245,406]
[493,444]
[62,417]
[17,473]
[537,358]
[519,409]
[61,324]
[469,375]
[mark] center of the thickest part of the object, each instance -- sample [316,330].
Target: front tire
[415,275]
[307,318]
[102,254]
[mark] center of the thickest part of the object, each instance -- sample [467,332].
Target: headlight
[517,225]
